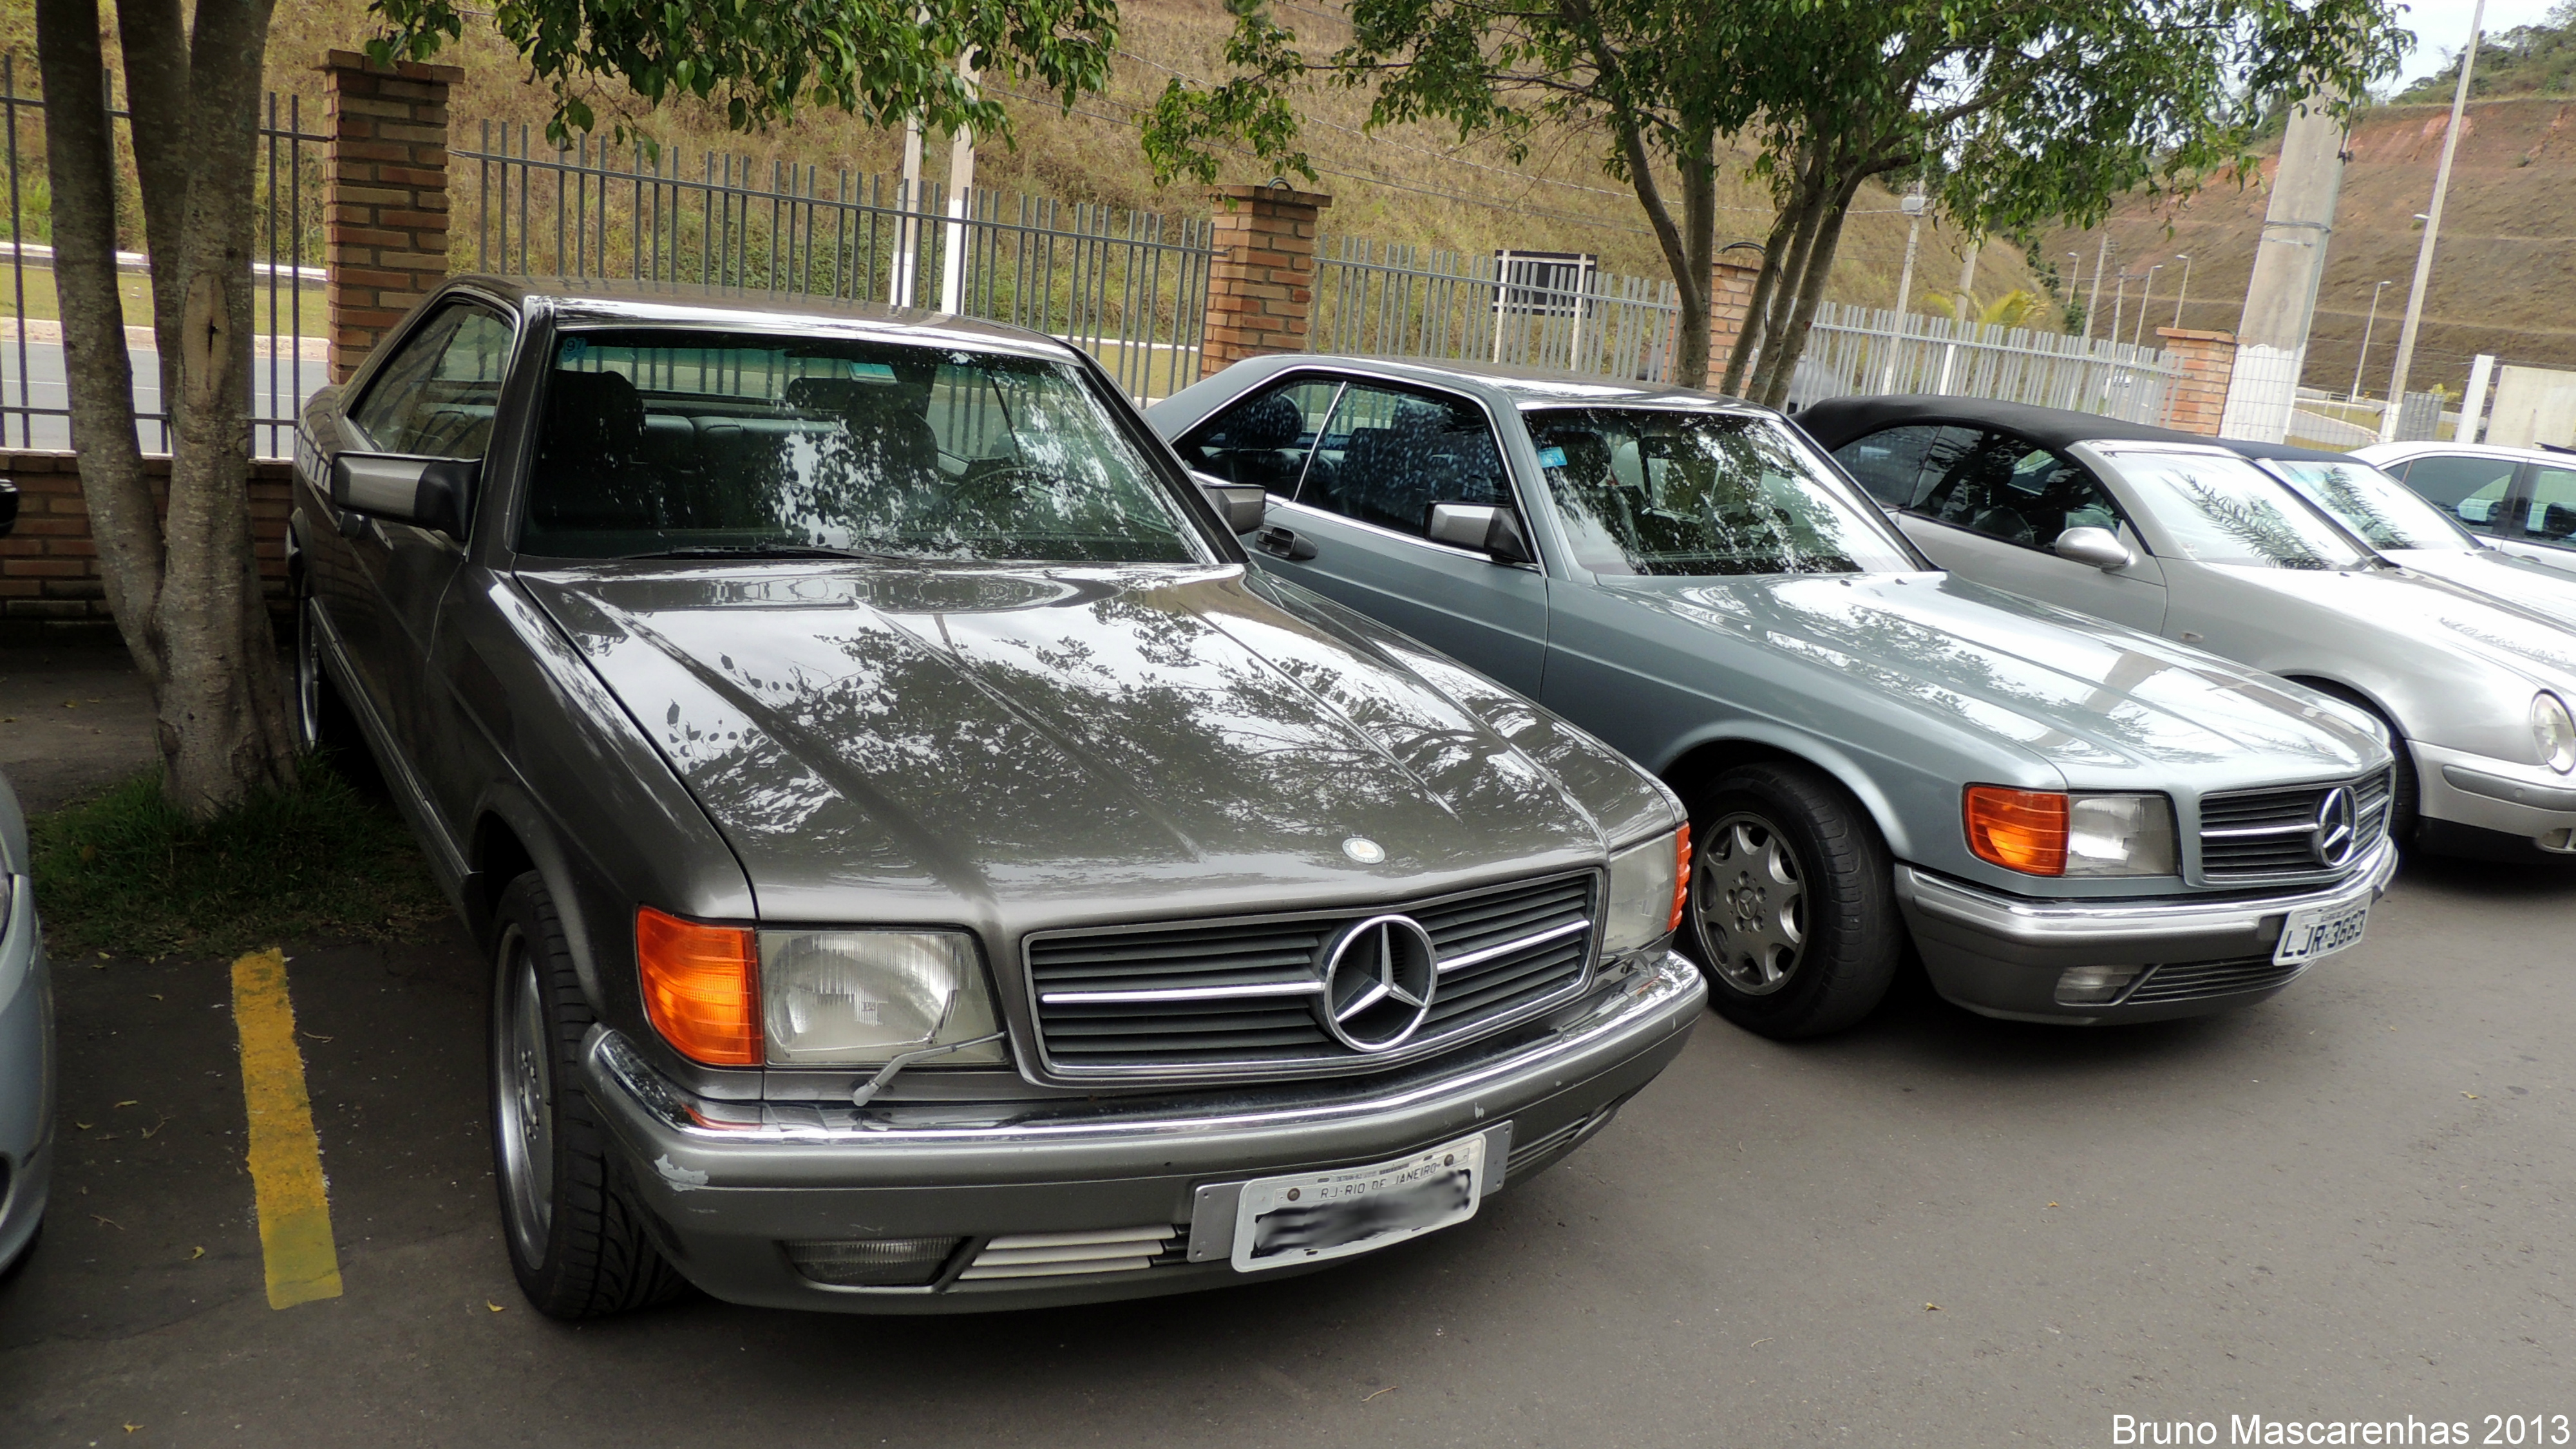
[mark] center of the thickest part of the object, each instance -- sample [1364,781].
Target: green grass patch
[129,873]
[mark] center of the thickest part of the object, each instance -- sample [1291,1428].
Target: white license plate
[2319,931]
[1317,1216]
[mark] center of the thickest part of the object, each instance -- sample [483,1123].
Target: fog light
[872,1262]
[2559,840]
[2094,985]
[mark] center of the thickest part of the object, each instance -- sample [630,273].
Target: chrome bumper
[725,1196]
[2001,954]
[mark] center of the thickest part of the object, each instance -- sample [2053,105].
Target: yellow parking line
[285,1155]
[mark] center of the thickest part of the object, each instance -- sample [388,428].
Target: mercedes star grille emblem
[2337,827]
[1378,983]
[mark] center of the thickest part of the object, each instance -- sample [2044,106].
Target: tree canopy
[2528,60]
[2015,113]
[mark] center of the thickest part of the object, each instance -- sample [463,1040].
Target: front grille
[1239,996]
[2206,979]
[2273,832]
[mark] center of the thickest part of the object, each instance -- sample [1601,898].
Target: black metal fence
[288,343]
[1130,287]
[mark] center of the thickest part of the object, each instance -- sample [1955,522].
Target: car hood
[2097,700]
[2413,610]
[1088,743]
[2517,583]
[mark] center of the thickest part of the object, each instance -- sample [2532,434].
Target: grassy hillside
[2504,277]
[1411,184]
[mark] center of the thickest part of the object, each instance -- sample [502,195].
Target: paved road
[2354,1202]
[32,378]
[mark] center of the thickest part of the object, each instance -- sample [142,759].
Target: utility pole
[2185,259]
[2281,295]
[1912,205]
[2366,329]
[961,185]
[2119,303]
[1967,280]
[2146,294]
[2432,233]
[907,229]
[2101,255]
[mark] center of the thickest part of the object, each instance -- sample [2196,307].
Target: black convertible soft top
[1837,421]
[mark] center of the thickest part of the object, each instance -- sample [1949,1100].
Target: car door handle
[1282,543]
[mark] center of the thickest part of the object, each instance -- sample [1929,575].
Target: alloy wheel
[523,1104]
[1749,904]
[308,678]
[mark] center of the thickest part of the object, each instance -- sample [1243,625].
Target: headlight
[2045,832]
[863,998]
[2553,732]
[1648,885]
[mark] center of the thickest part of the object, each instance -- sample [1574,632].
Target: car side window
[2005,488]
[2551,515]
[2470,489]
[437,395]
[1264,439]
[1387,454]
[1890,463]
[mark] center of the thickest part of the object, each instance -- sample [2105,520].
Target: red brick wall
[1261,289]
[2199,397]
[1730,305]
[384,201]
[49,582]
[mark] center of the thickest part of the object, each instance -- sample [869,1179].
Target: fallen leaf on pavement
[1931,1307]
[495,1307]
[195,1254]
[2472,1096]
[130,1101]
[1390,1388]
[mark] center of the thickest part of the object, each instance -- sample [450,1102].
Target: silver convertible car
[2074,821]
[2176,534]
[922,868]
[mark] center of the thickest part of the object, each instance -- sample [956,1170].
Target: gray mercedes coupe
[923,869]
[2072,821]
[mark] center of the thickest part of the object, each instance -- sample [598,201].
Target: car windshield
[2383,511]
[1659,491]
[684,442]
[2224,510]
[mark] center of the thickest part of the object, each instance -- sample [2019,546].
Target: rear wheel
[322,721]
[1792,913]
[578,1244]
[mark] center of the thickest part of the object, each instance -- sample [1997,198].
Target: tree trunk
[1790,282]
[1679,246]
[224,729]
[1699,233]
[80,157]
[154,36]
[1774,248]
[1811,291]
[185,587]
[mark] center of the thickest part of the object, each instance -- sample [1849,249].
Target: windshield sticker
[1551,457]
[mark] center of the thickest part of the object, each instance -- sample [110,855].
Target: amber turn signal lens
[2023,830]
[701,987]
[1681,877]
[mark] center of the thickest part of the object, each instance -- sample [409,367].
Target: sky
[2442,27]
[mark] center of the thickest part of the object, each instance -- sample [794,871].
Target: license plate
[2319,931]
[1318,1216]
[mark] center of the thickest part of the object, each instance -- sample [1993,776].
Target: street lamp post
[2432,233]
[2354,396]
[2146,289]
[2179,297]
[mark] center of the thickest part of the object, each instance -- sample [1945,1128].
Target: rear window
[667,441]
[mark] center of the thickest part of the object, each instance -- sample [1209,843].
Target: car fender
[505,801]
[1807,749]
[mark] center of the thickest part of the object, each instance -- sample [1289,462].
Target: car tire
[10,1270]
[323,723]
[1792,911]
[578,1243]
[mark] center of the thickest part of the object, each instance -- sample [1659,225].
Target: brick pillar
[384,202]
[2199,397]
[1730,306]
[1261,289]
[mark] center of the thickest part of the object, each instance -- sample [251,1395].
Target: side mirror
[1240,504]
[2099,547]
[432,493]
[8,507]
[1480,526]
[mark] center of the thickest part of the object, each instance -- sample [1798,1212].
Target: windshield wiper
[768,550]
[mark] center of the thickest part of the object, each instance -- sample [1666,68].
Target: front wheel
[577,1244]
[1792,913]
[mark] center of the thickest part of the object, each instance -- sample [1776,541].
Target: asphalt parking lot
[2351,1203]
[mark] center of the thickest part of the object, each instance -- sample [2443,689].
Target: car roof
[1837,421]
[2421,446]
[1525,387]
[588,300]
